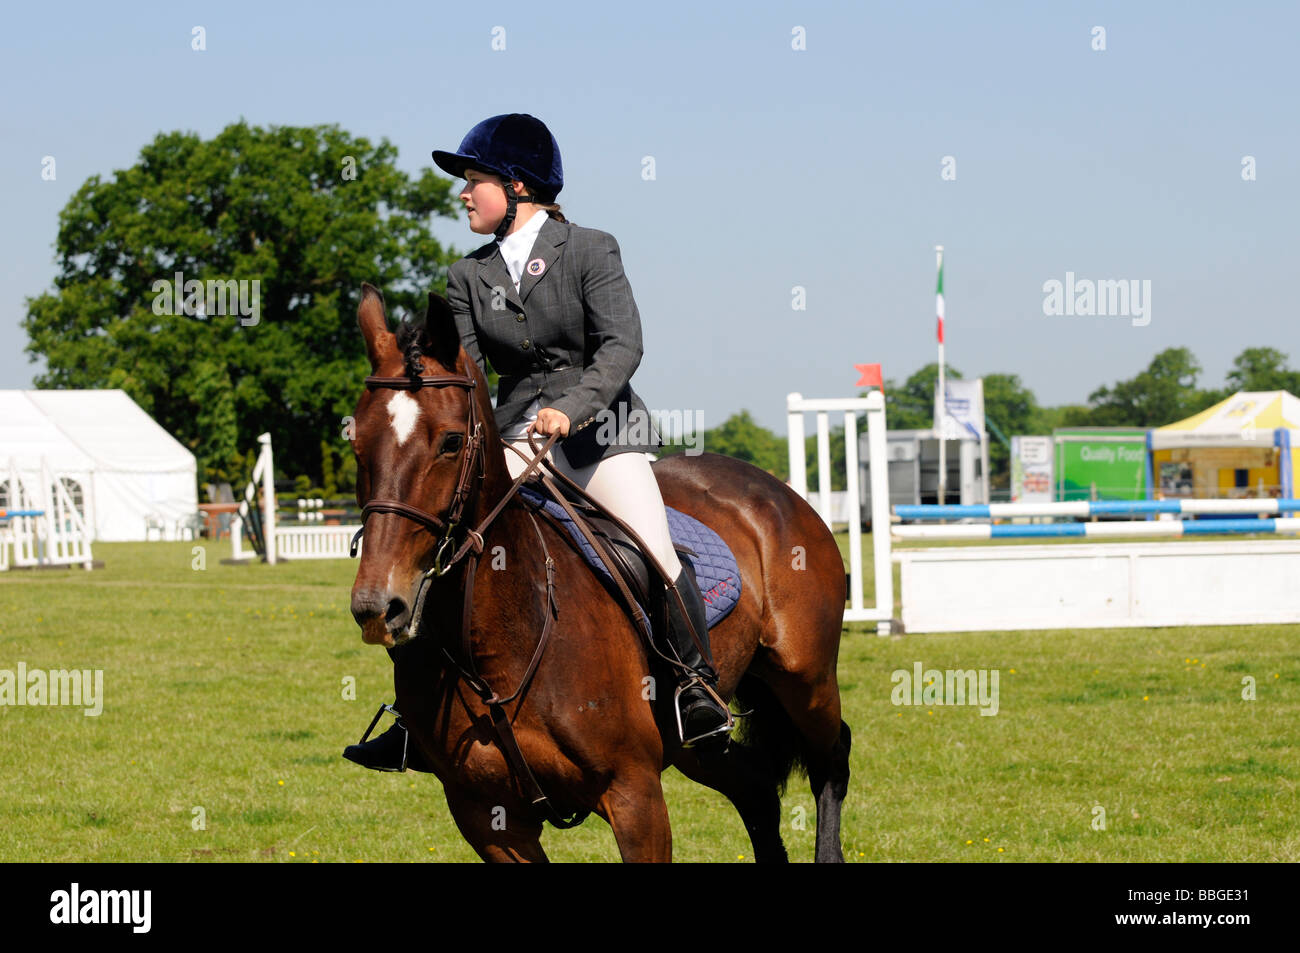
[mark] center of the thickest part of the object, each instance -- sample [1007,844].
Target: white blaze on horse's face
[403,409]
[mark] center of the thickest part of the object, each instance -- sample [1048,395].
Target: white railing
[283,541]
[873,406]
[315,542]
[56,537]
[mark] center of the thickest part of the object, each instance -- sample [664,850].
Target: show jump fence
[873,407]
[40,525]
[1060,585]
[274,541]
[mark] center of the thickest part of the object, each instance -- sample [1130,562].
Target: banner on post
[963,418]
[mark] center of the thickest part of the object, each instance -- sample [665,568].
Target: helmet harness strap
[511,200]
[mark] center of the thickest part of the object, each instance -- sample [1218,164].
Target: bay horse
[430,460]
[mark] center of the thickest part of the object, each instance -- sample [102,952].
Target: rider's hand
[549,421]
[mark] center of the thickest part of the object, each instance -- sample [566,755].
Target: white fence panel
[314,542]
[1101,585]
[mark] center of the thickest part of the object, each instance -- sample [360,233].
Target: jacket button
[519,317]
[526,345]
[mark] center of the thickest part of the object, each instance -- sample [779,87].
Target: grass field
[223,691]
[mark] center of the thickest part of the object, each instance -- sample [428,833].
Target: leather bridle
[472,455]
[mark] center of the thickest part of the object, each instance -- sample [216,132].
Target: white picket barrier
[263,472]
[1099,585]
[873,406]
[47,530]
[315,542]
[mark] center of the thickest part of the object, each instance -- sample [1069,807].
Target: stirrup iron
[406,734]
[724,729]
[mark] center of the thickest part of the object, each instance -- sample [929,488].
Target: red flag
[870,375]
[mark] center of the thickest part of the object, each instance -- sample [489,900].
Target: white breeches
[625,485]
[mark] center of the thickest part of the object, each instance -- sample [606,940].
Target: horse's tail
[769,733]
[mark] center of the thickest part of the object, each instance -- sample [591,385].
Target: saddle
[702,553]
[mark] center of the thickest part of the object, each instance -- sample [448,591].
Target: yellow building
[1244,446]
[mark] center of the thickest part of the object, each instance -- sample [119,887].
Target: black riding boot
[703,722]
[391,751]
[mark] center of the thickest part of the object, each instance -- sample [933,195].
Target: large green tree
[1013,410]
[1166,391]
[1262,368]
[1009,408]
[741,436]
[308,213]
[910,405]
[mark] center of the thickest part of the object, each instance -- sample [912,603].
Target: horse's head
[421,431]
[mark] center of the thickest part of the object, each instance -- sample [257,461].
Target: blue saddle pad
[716,569]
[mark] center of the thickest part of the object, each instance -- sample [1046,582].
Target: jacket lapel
[492,271]
[547,246]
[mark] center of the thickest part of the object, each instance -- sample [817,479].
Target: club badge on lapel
[536,267]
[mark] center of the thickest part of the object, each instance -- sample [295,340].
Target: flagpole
[941,408]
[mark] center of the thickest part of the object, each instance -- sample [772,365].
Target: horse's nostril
[397,614]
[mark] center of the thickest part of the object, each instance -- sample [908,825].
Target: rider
[565,349]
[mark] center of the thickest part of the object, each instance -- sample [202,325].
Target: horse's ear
[373,321]
[440,338]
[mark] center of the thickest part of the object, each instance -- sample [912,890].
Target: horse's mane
[408,342]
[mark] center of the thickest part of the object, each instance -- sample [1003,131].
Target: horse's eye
[452,443]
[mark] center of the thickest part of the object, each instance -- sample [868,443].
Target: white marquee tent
[131,473]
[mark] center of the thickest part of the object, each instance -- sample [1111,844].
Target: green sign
[1111,463]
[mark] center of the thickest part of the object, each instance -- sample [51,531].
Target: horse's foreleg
[494,833]
[635,808]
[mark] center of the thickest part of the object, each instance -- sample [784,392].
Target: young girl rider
[565,344]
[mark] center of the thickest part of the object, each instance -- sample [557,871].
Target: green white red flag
[939,296]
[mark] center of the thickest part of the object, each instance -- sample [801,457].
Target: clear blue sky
[775,168]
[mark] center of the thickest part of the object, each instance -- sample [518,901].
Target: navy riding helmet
[516,146]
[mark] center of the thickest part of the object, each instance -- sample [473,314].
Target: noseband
[472,455]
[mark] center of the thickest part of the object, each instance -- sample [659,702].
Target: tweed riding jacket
[570,337]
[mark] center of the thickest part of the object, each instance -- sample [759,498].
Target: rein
[670,584]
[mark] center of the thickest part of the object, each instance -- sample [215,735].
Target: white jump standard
[277,540]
